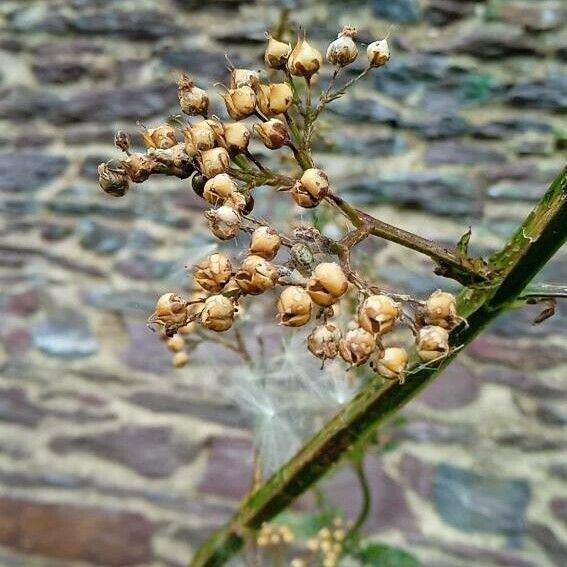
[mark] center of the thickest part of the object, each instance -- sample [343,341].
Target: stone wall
[108,456]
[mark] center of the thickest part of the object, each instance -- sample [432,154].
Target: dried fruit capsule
[219,188]
[201,136]
[265,242]
[441,309]
[304,60]
[311,189]
[256,275]
[162,137]
[223,222]
[378,53]
[214,161]
[277,53]
[192,100]
[327,284]
[214,272]
[122,140]
[357,346]
[391,363]
[240,102]
[175,343]
[323,341]
[170,309]
[139,167]
[343,51]
[432,342]
[275,98]
[115,182]
[378,313]
[294,307]
[273,133]
[244,78]
[218,313]
[236,137]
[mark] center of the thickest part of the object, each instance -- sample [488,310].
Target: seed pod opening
[323,341]
[113,181]
[357,346]
[294,307]
[218,313]
[273,133]
[256,275]
[213,273]
[378,313]
[244,78]
[432,343]
[170,309]
[162,137]
[391,363]
[192,100]
[327,284]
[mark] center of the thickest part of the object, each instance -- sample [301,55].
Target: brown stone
[78,533]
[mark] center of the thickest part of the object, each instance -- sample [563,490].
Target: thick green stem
[537,240]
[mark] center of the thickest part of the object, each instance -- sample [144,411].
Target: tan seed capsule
[343,51]
[294,307]
[274,98]
[378,313]
[357,346]
[213,273]
[311,189]
[323,341]
[240,102]
[180,359]
[244,78]
[162,137]
[277,53]
[378,53]
[441,309]
[139,167]
[214,161]
[327,284]
[219,189]
[237,137]
[192,100]
[223,222]
[273,133]
[175,343]
[236,201]
[115,182]
[265,242]
[432,343]
[304,60]
[201,136]
[256,275]
[170,309]
[218,313]
[391,363]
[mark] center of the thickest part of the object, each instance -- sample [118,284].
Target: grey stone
[475,503]
[378,145]
[141,267]
[64,333]
[443,127]
[503,129]
[23,103]
[28,171]
[365,110]
[450,152]
[83,200]
[559,508]
[400,11]
[538,16]
[202,63]
[422,431]
[552,413]
[554,547]
[549,93]
[444,12]
[15,407]
[100,238]
[145,351]
[62,72]
[129,302]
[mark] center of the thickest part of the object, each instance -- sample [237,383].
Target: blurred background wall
[110,457]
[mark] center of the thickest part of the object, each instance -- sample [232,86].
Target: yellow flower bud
[277,53]
[237,137]
[223,222]
[219,188]
[273,133]
[294,307]
[343,51]
[162,137]
[256,275]
[213,273]
[357,346]
[441,309]
[214,161]
[432,342]
[327,284]
[240,102]
[244,78]
[113,181]
[323,341]
[304,60]
[265,242]
[192,100]
[378,53]
[218,313]
[378,313]
[391,363]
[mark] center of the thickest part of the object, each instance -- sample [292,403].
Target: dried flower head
[327,284]
[213,273]
[343,50]
[113,181]
[378,53]
[223,222]
[139,167]
[294,307]
[256,275]
[378,313]
[273,133]
[265,242]
[218,313]
[277,53]
[122,140]
[162,137]
[391,363]
[432,342]
[192,100]
[323,342]
[356,346]
[180,359]
[304,60]
[311,189]
[198,183]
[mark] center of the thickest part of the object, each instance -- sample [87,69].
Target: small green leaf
[381,555]
[463,244]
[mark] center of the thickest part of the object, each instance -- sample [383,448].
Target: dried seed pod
[244,78]
[202,136]
[327,284]
[219,188]
[432,342]
[378,313]
[237,137]
[240,102]
[265,242]
[294,307]
[236,200]
[214,161]
[323,341]
[343,50]
[311,189]
[180,359]
[218,129]
[441,309]
[175,343]
[256,275]
[139,167]
[198,184]
[113,181]
[192,100]
[391,363]
[378,53]
[218,313]
[223,222]
[357,346]
[213,273]
[162,137]
[170,310]
[277,53]
[275,98]
[304,60]
[273,133]
[302,259]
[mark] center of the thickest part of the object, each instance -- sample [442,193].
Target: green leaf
[381,555]
[463,244]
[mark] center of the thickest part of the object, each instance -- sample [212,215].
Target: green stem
[537,240]
[358,466]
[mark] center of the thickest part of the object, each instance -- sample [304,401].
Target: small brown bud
[378,313]
[432,343]
[122,140]
[274,98]
[162,137]
[139,167]
[391,363]
[244,78]
[192,100]
[277,53]
[213,273]
[304,60]
[323,341]
[294,307]
[327,284]
[170,309]
[201,136]
[214,161]
[357,346]
[180,359]
[175,343]
[265,242]
[378,53]
[256,275]
[441,309]
[219,188]
[311,189]
[223,222]
[343,51]
[113,181]
[273,133]
[237,137]
[218,313]
[240,102]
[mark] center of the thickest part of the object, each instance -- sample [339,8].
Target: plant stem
[358,467]
[537,240]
